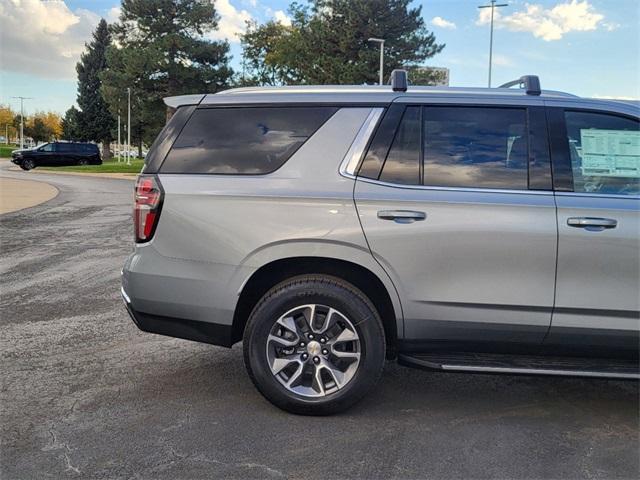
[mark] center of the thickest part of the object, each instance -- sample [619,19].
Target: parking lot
[86,395]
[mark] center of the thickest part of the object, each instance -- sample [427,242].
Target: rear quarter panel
[215,231]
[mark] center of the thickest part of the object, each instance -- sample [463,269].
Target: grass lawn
[5,150]
[111,166]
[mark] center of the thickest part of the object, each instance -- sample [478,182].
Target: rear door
[67,153]
[456,204]
[596,157]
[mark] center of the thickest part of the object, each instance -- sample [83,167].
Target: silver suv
[329,228]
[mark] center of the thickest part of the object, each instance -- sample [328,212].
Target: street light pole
[493,6]
[119,147]
[128,126]
[22,99]
[381,42]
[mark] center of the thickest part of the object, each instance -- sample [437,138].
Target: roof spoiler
[531,84]
[182,100]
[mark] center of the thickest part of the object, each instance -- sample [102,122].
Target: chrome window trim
[356,150]
[597,195]
[455,189]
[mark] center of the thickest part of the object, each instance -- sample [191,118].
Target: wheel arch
[276,271]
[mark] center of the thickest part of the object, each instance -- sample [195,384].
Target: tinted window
[403,161]
[379,147]
[161,145]
[242,140]
[475,147]
[47,148]
[65,147]
[605,153]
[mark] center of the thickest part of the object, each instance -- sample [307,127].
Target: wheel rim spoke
[345,336]
[318,384]
[279,364]
[337,375]
[282,341]
[295,375]
[290,324]
[339,354]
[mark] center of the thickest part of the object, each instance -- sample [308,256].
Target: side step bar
[523,365]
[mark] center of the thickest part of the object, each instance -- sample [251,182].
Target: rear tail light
[146,211]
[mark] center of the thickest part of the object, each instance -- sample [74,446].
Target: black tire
[27,164]
[322,290]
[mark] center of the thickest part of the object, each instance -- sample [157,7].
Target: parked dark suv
[57,154]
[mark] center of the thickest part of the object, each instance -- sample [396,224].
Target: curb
[116,176]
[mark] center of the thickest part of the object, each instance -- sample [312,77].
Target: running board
[523,365]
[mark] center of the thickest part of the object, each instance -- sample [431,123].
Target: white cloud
[442,23]
[43,38]
[547,23]
[113,15]
[232,22]
[283,18]
[502,60]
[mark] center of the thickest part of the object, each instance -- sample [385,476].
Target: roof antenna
[399,80]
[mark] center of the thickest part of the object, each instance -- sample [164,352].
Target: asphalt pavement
[84,394]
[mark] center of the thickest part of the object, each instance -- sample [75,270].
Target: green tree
[38,130]
[327,42]
[71,125]
[95,121]
[262,47]
[160,51]
[426,76]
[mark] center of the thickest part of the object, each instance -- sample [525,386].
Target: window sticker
[610,153]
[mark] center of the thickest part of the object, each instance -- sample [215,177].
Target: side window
[242,140]
[379,147]
[475,147]
[403,160]
[47,148]
[605,153]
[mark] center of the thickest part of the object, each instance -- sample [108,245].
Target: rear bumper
[213,333]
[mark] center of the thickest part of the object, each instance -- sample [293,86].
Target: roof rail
[398,80]
[531,84]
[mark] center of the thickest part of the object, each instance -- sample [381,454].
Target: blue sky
[587,47]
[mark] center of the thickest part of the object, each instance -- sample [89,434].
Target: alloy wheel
[313,350]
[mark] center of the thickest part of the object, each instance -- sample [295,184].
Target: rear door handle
[591,223]
[401,216]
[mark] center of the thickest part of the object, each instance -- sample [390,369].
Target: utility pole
[22,99]
[119,146]
[381,42]
[493,6]
[128,126]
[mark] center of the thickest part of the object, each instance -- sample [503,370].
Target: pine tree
[160,51]
[71,125]
[327,42]
[95,121]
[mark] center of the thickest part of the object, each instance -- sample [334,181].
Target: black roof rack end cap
[399,80]
[531,84]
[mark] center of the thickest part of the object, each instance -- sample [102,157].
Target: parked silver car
[329,228]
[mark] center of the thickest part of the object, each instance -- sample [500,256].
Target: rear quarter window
[247,141]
